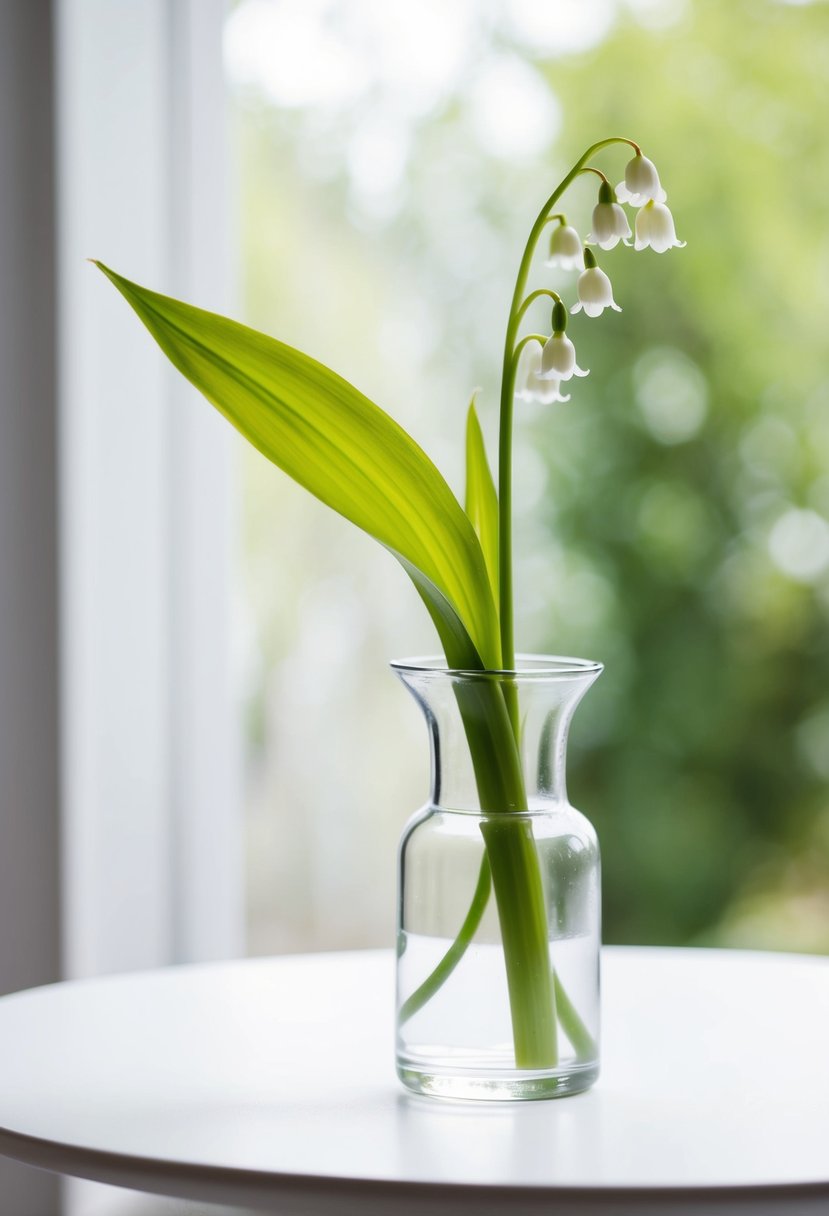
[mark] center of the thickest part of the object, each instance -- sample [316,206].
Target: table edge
[155,1175]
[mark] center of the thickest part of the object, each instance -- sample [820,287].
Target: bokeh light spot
[671,393]
[799,545]
[512,110]
[566,27]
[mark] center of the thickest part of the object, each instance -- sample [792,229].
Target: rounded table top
[270,1082]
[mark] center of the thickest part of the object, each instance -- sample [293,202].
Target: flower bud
[559,318]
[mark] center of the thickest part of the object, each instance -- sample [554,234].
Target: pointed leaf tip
[343,449]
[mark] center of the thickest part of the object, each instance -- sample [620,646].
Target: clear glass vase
[499,903]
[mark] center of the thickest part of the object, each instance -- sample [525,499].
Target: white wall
[29,894]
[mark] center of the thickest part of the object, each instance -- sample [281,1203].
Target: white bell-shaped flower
[655,227]
[545,391]
[610,224]
[641,184]
[595,291]
[565,248]
[558,359]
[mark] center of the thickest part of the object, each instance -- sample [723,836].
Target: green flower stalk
[351,455]
[536,997]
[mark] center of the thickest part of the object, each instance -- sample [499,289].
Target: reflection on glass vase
[499,903]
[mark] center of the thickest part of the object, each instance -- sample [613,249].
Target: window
[673,518]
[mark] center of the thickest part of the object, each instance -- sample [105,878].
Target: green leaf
[458,647]
[342,448]
[481,496]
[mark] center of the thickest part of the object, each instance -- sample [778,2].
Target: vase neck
[499,739]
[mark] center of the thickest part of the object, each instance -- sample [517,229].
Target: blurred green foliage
[675,514]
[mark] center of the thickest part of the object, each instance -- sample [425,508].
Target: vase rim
[527,666]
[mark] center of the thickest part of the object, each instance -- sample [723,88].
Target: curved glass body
[499,903]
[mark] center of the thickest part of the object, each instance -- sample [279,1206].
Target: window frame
[151,820]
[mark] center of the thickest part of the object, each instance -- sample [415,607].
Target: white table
[270,1084]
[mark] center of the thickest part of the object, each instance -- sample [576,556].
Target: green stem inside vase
[519,894]
[571,1023]
[487,707]
[424,993]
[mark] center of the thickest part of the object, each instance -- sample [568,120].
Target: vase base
[514,1085]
